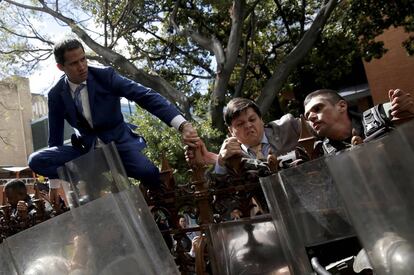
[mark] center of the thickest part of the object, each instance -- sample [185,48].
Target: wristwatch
[182,125]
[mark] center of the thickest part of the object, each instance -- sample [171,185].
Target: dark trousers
[136,164]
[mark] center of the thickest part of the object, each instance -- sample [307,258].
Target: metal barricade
[6,261]
[109,229]
[376,181]
[246,246]
[308,214]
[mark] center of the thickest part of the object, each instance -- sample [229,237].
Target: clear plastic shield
[6,261]
[93,175]
[248,246]
[376,181]
[109,230]
[95,238]
[307,210]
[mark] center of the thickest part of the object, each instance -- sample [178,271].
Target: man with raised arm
[88,98]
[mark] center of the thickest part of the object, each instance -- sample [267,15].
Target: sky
[44,78]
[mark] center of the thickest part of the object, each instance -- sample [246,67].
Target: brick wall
[394,70]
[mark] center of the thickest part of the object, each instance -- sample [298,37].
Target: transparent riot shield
[109,229]
[6,261]
[246,246]
[307,212]
[376,181]
[93,175]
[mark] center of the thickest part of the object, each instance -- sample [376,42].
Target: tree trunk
[289,63]
[223,76]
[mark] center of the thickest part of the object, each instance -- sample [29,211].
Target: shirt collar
[73,86]
[264,141]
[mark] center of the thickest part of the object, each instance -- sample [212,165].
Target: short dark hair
[332,96]
[238,105]
[15,185]
[64,45]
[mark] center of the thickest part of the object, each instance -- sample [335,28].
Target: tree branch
[275,83]
[25,51]
[24,35]
[155,82]
[232,52]
[303,18]
[250,9]
[283,15]
[233,44]
[27,7]
[196,75]
[209,43]
[191,57]
[246,56]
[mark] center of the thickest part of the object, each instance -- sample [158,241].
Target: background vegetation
[201,53]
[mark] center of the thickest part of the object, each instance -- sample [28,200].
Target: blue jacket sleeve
[144,97]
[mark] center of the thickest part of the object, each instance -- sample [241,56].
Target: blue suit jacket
[105,87]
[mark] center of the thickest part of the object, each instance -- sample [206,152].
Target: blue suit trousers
[136,164]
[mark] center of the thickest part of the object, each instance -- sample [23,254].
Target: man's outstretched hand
[402,104]
[206,157]
[189,135]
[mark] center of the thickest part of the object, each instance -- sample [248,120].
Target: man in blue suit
[88,98]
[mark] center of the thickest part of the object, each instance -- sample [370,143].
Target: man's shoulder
[57,86]
[98,70]
[101,74]
[287,120]
[283,133]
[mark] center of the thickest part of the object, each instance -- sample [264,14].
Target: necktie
[258,151]
[78,98]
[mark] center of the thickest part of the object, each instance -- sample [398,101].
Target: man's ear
[60,66]
[342,106]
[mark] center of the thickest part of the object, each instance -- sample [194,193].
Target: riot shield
[246,246]
[307,212]
[109,229]
[93,175]
[6,261]
[376,181]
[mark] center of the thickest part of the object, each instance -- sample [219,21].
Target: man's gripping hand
[189,134]
[206,156]
[229,148]
[402,104]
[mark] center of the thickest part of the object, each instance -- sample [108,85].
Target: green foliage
[141,30]
[348,37]
[367,19]
[409,45]
[18,54]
